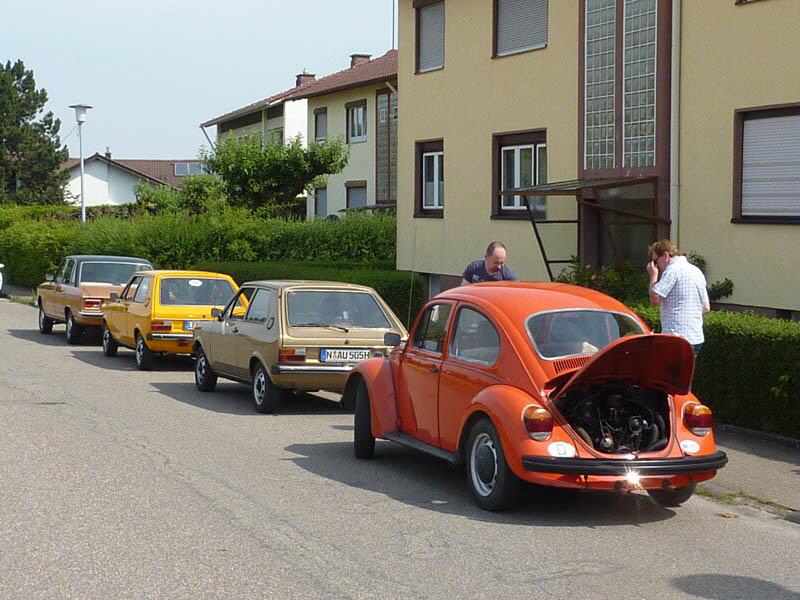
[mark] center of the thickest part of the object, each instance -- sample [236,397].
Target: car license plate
[189,325]
[344,355]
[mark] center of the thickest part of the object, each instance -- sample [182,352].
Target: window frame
[418,6]
[740,116]
[355,184]
[425,318]
[515,139]
[495,36]
[316,205]
[259,290]
[350,109]
[318,112]
[422,148]
[147,289]
[451,341]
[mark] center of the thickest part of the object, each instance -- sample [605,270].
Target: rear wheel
[45,322]
[110,346]
[492,482]
[144,356]
[363,440]
[204,376]
[673,497]
[266,395]
[74,330]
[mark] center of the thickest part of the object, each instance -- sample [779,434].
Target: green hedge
[394,286]
[30,248]
[748,371]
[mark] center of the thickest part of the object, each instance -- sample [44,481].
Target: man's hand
[652,270]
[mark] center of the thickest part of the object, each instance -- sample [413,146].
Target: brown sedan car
[279,336]
[74,294]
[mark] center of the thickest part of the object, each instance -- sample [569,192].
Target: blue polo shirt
[476,273]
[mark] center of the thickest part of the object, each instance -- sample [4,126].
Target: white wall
[295,119]
[103,184]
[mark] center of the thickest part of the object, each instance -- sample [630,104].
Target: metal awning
[574,186]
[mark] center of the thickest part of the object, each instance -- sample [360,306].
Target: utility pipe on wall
[674,123]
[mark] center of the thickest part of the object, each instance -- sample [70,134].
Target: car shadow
[126,361]
[721,587]
[420,480]
[235,398]
[57,338]
[759,446]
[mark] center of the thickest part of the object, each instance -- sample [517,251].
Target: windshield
[115,273]
[195,291]
[564,333]
[335,308]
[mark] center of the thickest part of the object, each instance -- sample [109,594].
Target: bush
[748,371]
[395,287]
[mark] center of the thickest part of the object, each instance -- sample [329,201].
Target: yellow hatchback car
[157,311]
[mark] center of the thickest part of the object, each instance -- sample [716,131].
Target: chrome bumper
[309,370]
[90,315]
[170,336]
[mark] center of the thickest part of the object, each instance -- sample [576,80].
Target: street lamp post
[80,117]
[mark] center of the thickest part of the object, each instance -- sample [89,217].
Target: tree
[30,150]
[272,176]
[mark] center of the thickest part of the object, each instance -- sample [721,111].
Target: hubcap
[259,387]
[139,350]
[69,324]
[106,335]
[483,464]
[41,318]
[201,367]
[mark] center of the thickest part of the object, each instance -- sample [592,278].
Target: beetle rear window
[565,333]
[194,291]
[114,273]
[326,308]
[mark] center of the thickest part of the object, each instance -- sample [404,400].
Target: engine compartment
[618,417]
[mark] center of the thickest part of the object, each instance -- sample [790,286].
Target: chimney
[108,152]
[303,78]
[359,59]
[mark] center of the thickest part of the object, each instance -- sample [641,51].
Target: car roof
[173,273]
[522,298]
[309,284]
[106,258]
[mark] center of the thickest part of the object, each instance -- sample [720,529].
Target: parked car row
[550,384]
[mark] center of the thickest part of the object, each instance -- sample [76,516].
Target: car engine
[618,418]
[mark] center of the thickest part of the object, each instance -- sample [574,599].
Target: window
[430,35]
[520,25]
[432,327]
[67,277]
[430,178]
[520,160]
[238,304]
[317,308]
[767,165]
[115,273]
[60,272]
[599,131]
[275,136]
[475,339]
[184,168]
[142,289]
[639,84]
[321,202]
[356,194]
[129,292]
[320,124]
[259,306]
[194,291]
[356,121]
[563,333]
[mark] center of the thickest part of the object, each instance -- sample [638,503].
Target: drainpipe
[674,123]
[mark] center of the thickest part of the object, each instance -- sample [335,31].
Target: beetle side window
[259,306]
[238,305]
[475,338]
[141,291]
[432,329]
[130,289]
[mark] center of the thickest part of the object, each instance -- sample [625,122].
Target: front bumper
[643,466]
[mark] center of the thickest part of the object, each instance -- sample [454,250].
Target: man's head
[495,257]
[661,252]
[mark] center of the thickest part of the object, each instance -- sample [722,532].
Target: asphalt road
[116,483]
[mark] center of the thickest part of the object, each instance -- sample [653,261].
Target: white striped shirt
[682,288]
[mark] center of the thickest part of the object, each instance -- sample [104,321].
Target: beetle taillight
[538,422]
[698,418]
[161,326]
[291,355]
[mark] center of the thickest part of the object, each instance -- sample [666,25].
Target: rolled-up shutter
[521,25]
[431,37]
[771,167]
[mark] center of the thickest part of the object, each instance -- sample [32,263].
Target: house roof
[157,171]
[371,71]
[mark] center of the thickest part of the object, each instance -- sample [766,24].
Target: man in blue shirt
[492,268]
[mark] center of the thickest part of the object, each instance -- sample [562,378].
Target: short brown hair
[662,247]
[493,246]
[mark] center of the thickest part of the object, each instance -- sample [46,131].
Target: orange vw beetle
[547,383]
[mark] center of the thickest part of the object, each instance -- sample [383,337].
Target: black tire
[45,322]
[74,330]
[363,440]
[266,395]
[204,377]
[144,356]
[492,482]
[674,497]
[110,345]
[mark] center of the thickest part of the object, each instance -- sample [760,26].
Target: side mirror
[391,338]
[113,296]
[216,313]
[49,277]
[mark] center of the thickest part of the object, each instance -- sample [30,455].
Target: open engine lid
[656,361]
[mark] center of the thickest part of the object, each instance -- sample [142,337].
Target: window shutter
[431,37]
[521,25]
[771,167]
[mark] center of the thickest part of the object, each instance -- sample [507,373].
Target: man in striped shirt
[680,293]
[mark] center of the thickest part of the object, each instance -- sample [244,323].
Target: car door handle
[434,369]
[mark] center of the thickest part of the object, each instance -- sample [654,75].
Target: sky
[155,69]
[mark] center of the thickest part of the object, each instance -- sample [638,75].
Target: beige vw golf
[279,336]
